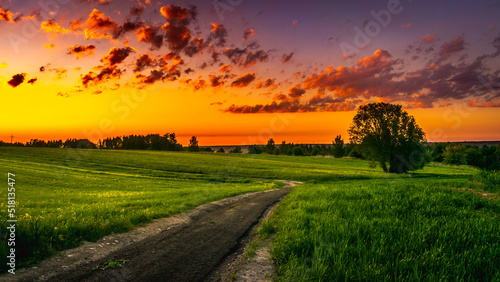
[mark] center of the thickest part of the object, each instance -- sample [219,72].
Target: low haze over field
[236,71]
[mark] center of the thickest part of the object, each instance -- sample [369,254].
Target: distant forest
[481,156]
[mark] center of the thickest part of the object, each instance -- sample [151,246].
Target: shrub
[255,149]
[455,155]
[297,151]
[236,150]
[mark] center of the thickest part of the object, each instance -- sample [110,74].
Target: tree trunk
[398,166]
[384,166]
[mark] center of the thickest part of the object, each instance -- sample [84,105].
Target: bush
[236,150]
[255,149]
[316,151]
[455,155]
[276,151]
[356,154]
[437,150]
[474,156]
[221,150]
[297,151]
[208,149]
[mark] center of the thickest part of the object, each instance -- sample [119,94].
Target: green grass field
[347,222]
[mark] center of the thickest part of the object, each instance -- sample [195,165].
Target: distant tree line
[166,142]
[337,149]
[69,143]
[484,157]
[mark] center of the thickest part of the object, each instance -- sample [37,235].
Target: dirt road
[186,251]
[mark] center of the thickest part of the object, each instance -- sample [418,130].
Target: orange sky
[78,71]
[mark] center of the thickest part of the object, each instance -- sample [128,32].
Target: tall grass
[488,180]
[367,230]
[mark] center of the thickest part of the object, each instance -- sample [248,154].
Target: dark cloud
[8,16]
[496,44]
[364,78]
[293,106]
[254,57]
[216,80]
[36,14]
[32,81]
[17,80]
[218,35]
[79,51]
[249,32]
[102,2]
[151,35]
[235,54]
[103,75]
[280,97]
[116,56]
[153,77]
[243,80]
[42,69]
[169,69]
[188,70]
[195,46]
[283,107]
[449,48]
[176,28]
[244,57]
[378,78]
[127,26]
[215,57]
[296,92]
[286,57]
[482,104]
[199,84]
[109,69]
[267,83]
[136,11]
[143,62]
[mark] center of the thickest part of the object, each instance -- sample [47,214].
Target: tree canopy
[388,134]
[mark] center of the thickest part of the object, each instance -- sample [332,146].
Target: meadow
[348,221]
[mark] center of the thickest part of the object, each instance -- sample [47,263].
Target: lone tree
[270,146]
[386,133]
[338,147]
[193,145]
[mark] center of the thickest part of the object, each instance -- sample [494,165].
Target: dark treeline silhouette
[17,144]
[69,143]
[337,149]
[167,142]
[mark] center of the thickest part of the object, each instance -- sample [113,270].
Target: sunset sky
[241,72]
